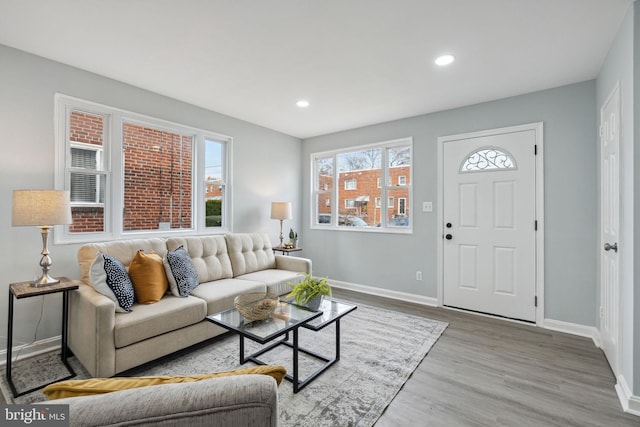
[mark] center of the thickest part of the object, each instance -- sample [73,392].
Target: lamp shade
[41,207]
[281,210]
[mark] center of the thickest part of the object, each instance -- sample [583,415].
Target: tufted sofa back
[214,257]
[250,252]
[208,254]
[122,250]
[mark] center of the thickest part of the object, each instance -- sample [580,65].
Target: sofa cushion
[110,278]
[250,252]
[122,250]
[219,294]
[75,388]
[208,254]
[276,280]
[181,274]
[168,314]
[148,277]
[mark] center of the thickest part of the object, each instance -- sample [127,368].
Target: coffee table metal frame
[314,320]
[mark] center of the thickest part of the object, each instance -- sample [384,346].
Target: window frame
[384,146]
[113,169]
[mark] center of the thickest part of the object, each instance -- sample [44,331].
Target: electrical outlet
[418,275]
[601,312]
[427,206]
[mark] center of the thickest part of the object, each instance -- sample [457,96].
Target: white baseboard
[574,329]
[371,290]
[33,349]
[630,403]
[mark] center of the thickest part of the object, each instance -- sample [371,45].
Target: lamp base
[44,280]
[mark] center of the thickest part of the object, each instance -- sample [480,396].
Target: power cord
[35,334]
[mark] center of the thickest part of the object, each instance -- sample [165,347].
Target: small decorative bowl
[256,305]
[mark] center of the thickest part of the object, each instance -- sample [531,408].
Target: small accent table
[287,318]
[25,290]
[285,251]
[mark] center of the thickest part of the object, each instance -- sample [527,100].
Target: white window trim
[113,169]
[402,180]
[384,228]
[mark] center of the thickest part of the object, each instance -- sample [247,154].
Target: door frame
[538,128]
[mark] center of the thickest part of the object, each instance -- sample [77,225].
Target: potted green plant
[309,291]
[293,238]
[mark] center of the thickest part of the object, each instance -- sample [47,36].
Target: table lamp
[281,211]
[44,209]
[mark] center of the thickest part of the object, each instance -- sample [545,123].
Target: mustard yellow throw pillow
[148,276]
[94,386]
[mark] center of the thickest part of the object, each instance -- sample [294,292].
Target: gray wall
[390,260]
[262,171]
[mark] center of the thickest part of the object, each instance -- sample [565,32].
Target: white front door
[610,173]
[489,223]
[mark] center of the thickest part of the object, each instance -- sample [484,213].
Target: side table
[285,251]
[25,290]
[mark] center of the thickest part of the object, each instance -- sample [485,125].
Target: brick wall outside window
[157,178]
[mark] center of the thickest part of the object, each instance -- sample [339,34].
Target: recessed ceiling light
[302,103]
[445,60]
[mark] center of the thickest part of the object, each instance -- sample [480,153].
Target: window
[214,154]
[488,159]
[402,206]
[351,184]
[130,174]
[361,172]
[323,189]
[158,167]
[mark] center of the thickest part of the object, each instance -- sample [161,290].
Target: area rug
[379,351]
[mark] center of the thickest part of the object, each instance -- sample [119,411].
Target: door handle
[608,247]
[448,237]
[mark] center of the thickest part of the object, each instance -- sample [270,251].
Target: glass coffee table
[287,318]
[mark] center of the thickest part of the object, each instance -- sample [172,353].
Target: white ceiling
[357,62]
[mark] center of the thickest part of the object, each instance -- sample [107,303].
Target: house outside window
[130,174]
[402,180]
[360,172]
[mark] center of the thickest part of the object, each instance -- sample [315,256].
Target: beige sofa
[107,342]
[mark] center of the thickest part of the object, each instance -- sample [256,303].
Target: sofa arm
[245,400]
[291,263]
[91,330]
